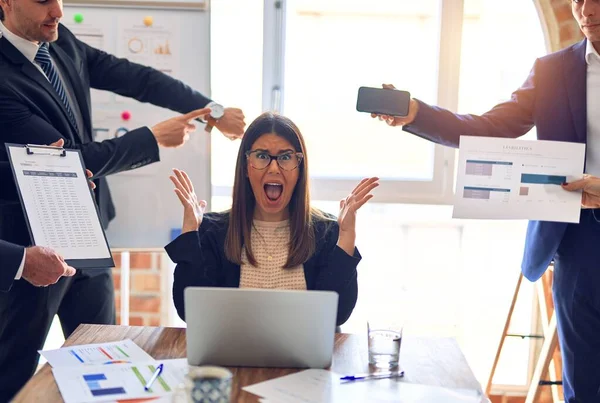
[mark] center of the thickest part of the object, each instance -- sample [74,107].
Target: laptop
[260,328]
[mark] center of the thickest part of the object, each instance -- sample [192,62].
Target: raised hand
[176,131]
[413,109]
[348,208]
[193,209]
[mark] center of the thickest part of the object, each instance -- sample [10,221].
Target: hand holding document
[58,204]
[590,186]
[518,179]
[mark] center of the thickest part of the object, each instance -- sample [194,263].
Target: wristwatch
[216,112]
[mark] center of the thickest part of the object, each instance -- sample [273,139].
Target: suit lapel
[70,72]
[575,69]
[34,74]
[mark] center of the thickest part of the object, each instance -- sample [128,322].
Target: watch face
[217,111]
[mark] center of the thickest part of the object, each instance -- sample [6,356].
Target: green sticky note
[78,18]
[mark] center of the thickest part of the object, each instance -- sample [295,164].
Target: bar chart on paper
[516,179]
[119,381]
[119,352]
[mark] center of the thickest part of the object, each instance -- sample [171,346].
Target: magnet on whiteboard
[126,115]
[148,21]
[78,18]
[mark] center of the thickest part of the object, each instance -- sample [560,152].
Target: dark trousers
[576,292]
[26,313]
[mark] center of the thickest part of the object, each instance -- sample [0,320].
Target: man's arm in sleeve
[510,119]
[19,125]
[12,258]
[142,83]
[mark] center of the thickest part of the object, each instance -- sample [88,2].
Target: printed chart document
[322,386]
[518,179]
[100,383]
[118,352]
[59,205]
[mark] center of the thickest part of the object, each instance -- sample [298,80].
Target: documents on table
[322,386]
[518,179]
[118,352]
[58,204]
[97,383]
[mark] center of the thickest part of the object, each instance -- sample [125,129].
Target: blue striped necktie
[43,59]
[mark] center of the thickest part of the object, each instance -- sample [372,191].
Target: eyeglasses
[260,159]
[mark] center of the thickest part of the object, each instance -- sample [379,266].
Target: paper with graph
[118,381]
[517,179]
[118,352]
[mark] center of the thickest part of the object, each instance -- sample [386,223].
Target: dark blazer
[10,254]
[31,112]
[10,260]
[553,98]
[201,262]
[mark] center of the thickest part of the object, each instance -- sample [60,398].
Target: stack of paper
[321,386]
[112,371]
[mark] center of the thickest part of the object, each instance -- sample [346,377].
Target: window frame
[439,190]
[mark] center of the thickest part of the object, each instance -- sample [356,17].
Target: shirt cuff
[20,271]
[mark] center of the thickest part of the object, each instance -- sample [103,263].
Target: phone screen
[383,101]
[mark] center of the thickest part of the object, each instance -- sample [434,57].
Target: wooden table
[431,361]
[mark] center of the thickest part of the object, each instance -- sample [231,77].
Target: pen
[383,375]
[155,375]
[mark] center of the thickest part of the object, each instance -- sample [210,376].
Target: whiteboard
[178,42]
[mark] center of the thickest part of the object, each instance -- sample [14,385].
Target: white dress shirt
[592,58]
[20,271]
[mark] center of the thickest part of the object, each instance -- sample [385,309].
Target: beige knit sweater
[270,247]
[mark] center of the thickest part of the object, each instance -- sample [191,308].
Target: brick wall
[147,301]
[560,25]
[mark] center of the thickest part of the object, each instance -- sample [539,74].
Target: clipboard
[58,204]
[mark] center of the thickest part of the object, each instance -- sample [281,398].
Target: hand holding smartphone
[381,101]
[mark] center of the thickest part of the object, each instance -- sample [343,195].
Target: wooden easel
[548,362]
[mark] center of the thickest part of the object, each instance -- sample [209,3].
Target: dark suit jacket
[31,112]
[201,262]
[10,260]
[553,98]
[10,254]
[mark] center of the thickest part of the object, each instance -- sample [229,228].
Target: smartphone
[383,101]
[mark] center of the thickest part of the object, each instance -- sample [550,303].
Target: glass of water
[385,338]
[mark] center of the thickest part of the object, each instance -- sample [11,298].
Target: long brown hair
[302,237]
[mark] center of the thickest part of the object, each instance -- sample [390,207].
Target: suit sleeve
[197,262]
[142,83]
[510,119]
[336,271]
[20,125]
[10,259]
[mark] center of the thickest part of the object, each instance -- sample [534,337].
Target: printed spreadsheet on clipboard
[59,205]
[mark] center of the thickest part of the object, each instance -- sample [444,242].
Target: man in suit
[561,97]
[45,80]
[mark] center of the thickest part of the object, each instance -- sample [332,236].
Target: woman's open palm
[193,209]
[355,200]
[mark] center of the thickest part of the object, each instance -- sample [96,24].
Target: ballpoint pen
[383,375]
[155,375]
